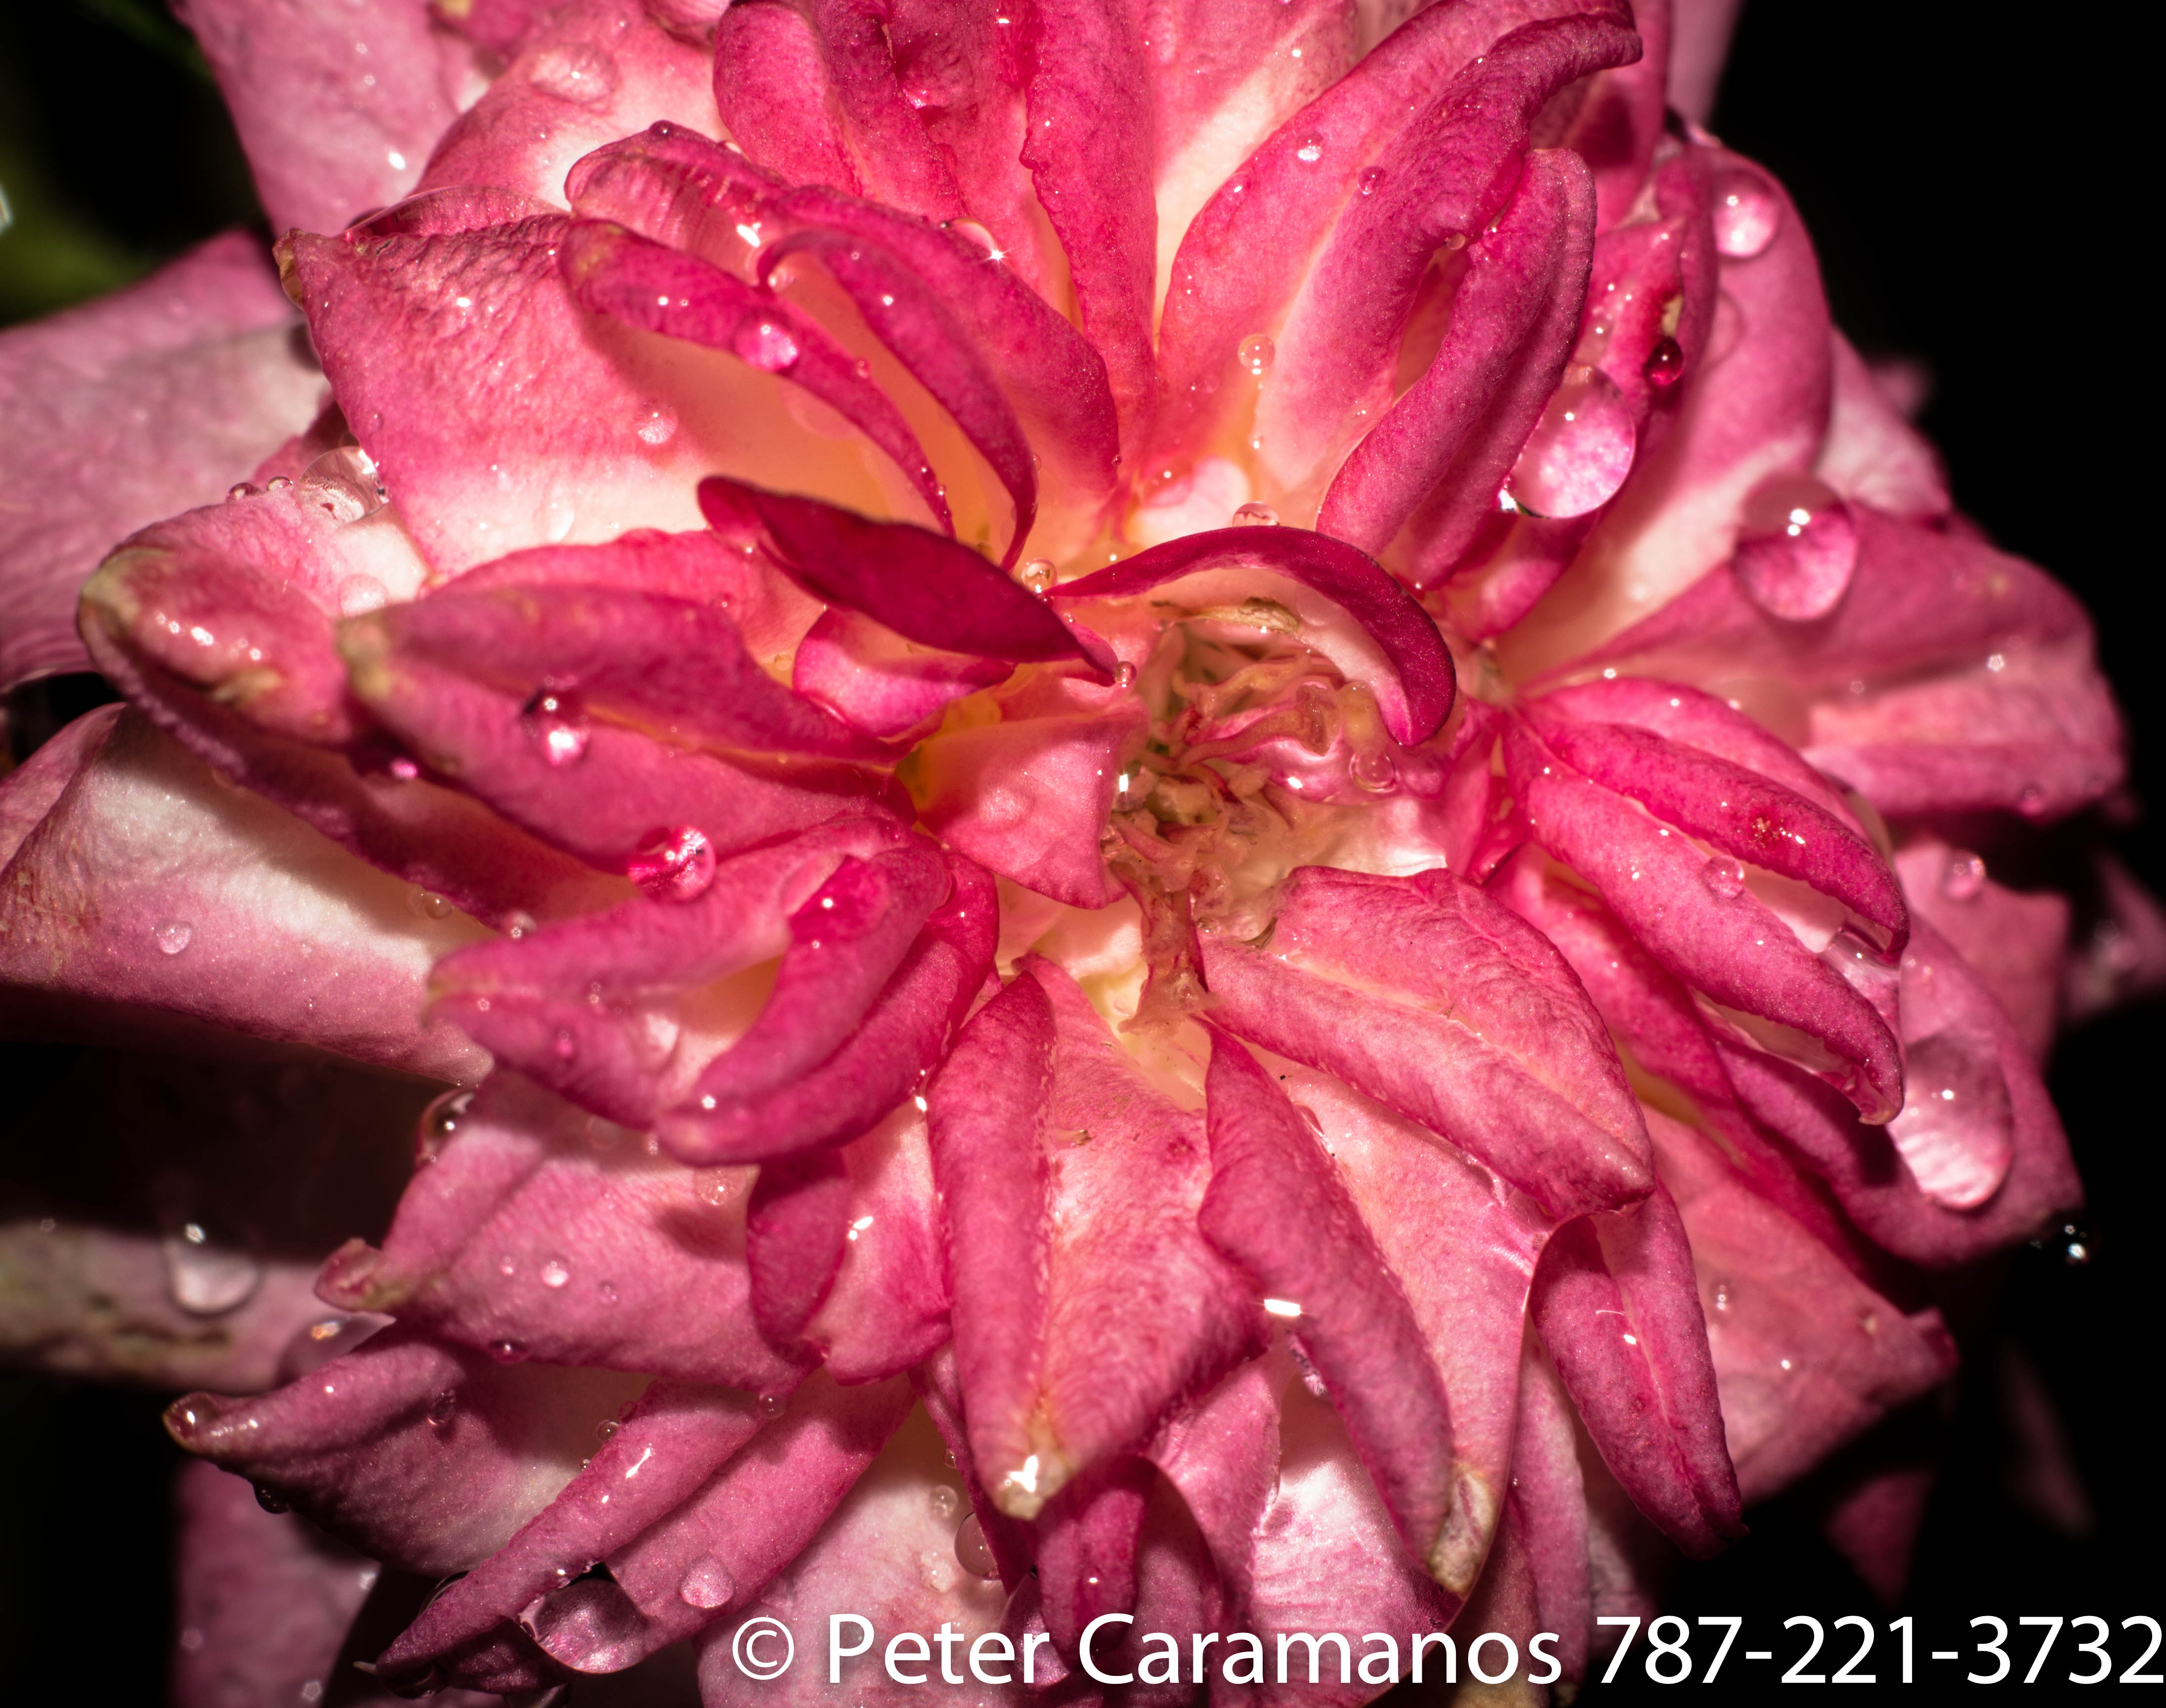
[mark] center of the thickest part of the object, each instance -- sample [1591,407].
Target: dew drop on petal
[706,1584]
[1796,548]
[343,484]
[718,1186]
[173,935]
[1376,772]
[269,1499]
[1956,1127]
[1746,215]
[1256,516]
[237,492]
[972,1551]
[1580,450]
[1037,574]
[279,483]
[207,1276]
[675,865]
[762,342]
[1370,179]
[574,71]
[1724,877]
[944,1501]
[438,1123]
[507,1351]
[1124,674]
[555,1272]
[443,1407]
[1310,151]
[658,425]
[1963,877]
[774,1404]
[427,904]
[1665,365]
[556,721]
[606,1428]
[1257,352]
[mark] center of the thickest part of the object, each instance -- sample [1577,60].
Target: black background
[1976,205]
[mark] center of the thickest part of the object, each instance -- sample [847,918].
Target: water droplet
[343,484]
[1376,772]
[676,865]
[972,1551]
[1256,516]
[268,1498]
[774,1404]
[507,1351]
[1580,450]
[1746,215]
[606,1428]
[707,1583]
[718,1186]
[555,1272]
[1723,876]
[173,935]
[1956,1129]
[1796,548]
[279,483]
[1124,674]
[1309,152]
[944,1501]
[1665,365]
[555,718]
[443,1406]
[1257,353]
[574,71]
[1037,574]
[1455,241]
[606,1293]
[658,425]
[1963,877]
[427,904]
[1370,179]
[240,490]
[762,342]
[438,1123]
[207,1276]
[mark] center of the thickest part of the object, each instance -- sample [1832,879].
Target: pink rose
[1164,786]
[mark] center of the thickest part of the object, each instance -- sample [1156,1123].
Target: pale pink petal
[1466,1020]
[2014,940]
[204,350]
[1550,1498]
[886,685]
[352,1446]
[337,104]
[154,899]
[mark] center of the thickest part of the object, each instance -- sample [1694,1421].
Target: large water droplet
[207,1277]
[1257,352]
[1723,876]
[707,1583]
[343,484]
[574,71]
[972,1553]
[1957,1130]
[762,342]
[438,1123]
[1256,516]
[555,1272]
[676,865]
[1746,215]
[556,719]
[1796,548]
[173,935]
[1580,450]
[657,425]
[1037,574]
[1963,876]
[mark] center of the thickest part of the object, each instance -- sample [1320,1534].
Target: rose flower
[1158,782]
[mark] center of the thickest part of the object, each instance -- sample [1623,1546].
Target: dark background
[1975,208]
